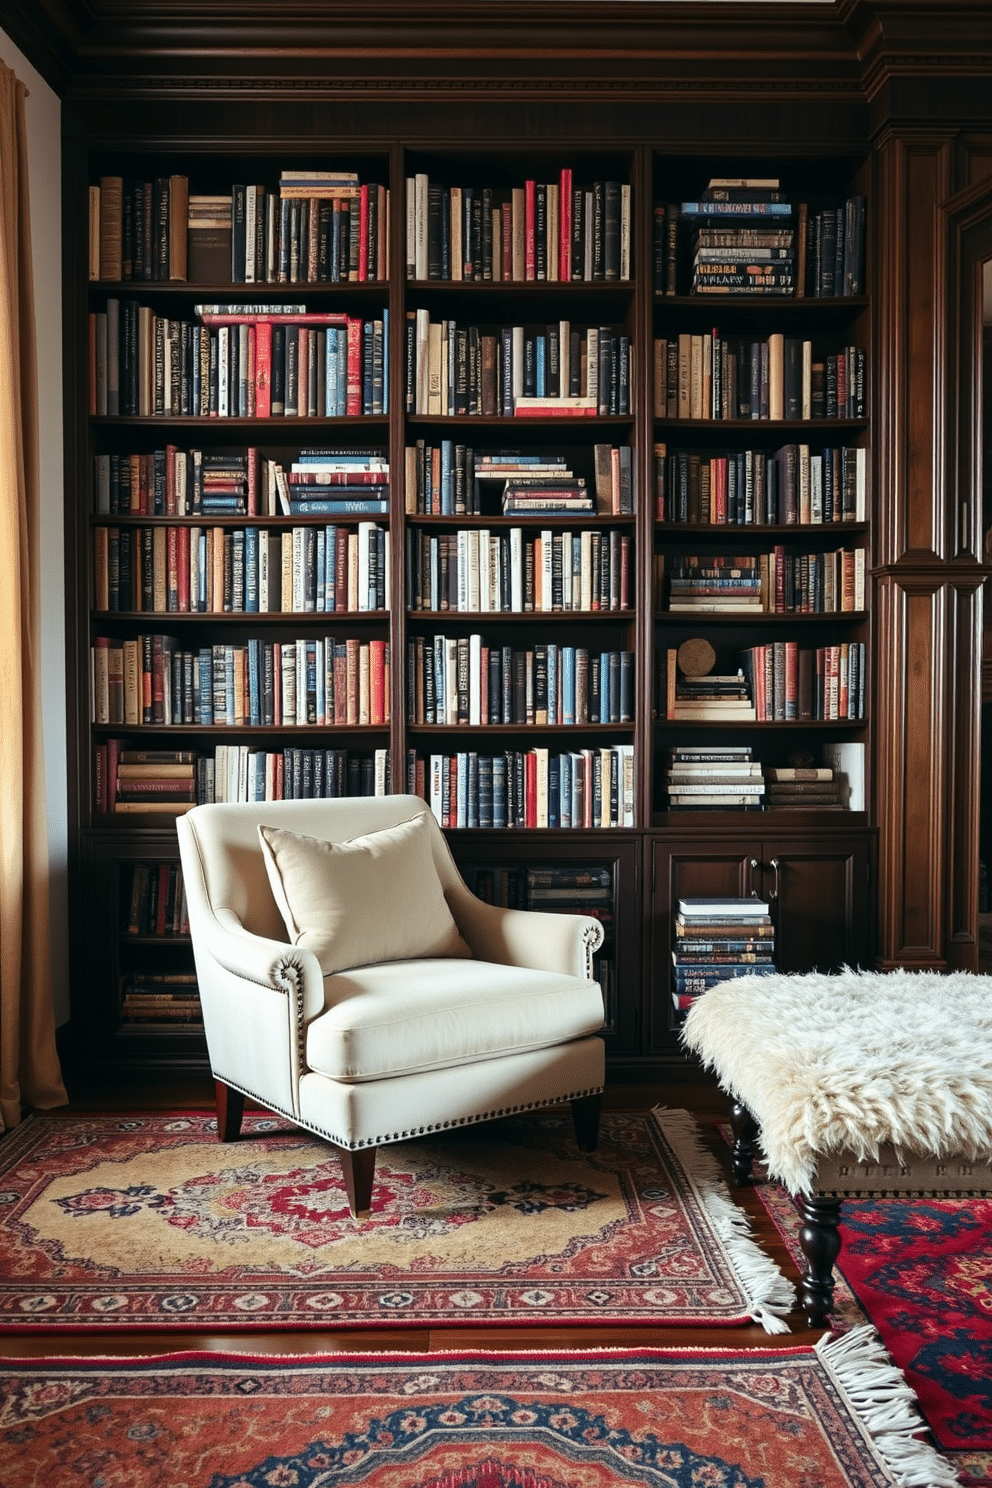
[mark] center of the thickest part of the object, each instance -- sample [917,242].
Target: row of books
[173,482]
[706,376]
[315,227]
[556,369]
[454,681]
[156,902]
[236,362]
[717,940]
[540,230]
[452,479]
[515,571]
[821,252]
[241,570]
[742,238]
[538,788]
[130,781]
[310,682]
[776,583]
[789,681]
[791,486]
[778,682]
[169,997]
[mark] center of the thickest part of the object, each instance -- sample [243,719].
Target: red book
[530,254]
[113,757]
[184,569]
[377,682]
[530,789]
[363,233]
[354,403]
[263,369]
[163,898]
[341,569]
[718,489]
[171,506]
[252,410]
[565,224]
[340,685]
[252,463]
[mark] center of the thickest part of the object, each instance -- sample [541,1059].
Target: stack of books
[803,788]
[743,241]
[332,481]
[152,780]
[718,939]
[715,698]
[545,487]
[166,997]
[714,778]
[714,582]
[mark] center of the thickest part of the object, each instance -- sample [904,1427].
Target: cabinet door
[820,902]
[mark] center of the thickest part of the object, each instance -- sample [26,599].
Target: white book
[475,680]
[420,244]
[365,531]
[547,569]
[625,230]
[411,227]
[816,488]
[474,571]
[436,772]
[861,484]
[422,339]
[541,786]
[516,570]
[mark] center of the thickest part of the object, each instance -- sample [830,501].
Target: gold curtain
[29,1068]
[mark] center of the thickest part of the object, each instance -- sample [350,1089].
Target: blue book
[472,819]
[568,685]
[553,668]
[447,477]
[320,683]
[330,567]
[328,506]
[540,366]
[499,791]
[320,565]
[203,688]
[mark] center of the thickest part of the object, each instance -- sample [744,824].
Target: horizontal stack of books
[161,997]
[803,788]
[743,242]
[719,939]
[714,778]
[714,582]
[153,780]
[334,481]
[714,698]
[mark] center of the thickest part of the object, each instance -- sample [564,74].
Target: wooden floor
[698,1096]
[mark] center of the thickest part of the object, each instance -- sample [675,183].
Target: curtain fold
[29,1067]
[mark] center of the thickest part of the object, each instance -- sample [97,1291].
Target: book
[724,908]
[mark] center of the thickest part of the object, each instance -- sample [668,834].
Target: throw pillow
[373,898]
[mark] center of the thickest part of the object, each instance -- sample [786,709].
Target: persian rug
[146,1221]
[834,1416]
[921,1272]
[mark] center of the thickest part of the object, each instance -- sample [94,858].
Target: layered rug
[921,1272]
[837,1416]
[147,1221]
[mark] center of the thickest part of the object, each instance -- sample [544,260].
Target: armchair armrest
[543,940]
[273,964]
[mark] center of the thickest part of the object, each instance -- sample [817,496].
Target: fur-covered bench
[853,1085]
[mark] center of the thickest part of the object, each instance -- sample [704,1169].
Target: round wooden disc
[696,657]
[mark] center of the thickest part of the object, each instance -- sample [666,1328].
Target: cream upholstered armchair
[352,982]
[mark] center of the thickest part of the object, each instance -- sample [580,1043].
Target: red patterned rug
[831,1417]
[921,1272]
[146,1221]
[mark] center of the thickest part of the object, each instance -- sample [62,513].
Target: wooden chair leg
[585,1119]
[358,1169]
[230,1109]
[745,1130]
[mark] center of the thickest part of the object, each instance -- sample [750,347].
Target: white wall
[43,112]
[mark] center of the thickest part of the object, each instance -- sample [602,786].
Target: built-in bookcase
[454,563]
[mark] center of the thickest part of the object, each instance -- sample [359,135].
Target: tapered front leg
[820,1241]
[230,1109]
[585,1119]
[358,1170]
[745,1130]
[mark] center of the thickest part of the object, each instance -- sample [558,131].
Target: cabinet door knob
[752,866]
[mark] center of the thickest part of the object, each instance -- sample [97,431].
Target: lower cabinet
[817,885]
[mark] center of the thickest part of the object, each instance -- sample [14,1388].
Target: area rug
[146,1221]
[835,1416]
[921,1272]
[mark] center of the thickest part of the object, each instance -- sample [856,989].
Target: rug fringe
[770,1295]
[877,1392]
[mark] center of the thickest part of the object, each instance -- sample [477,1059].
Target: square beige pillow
[374,898]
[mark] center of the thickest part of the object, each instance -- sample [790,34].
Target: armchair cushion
[411,1016]
[357,903]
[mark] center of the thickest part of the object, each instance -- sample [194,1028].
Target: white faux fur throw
[844,1064]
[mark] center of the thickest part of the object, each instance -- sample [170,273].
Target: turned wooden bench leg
[585,1119]
[820,1241]
[358,1170]
[742,1153]
[230,1109]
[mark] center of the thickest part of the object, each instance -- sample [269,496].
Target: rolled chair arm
[268,963]
[541,940]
